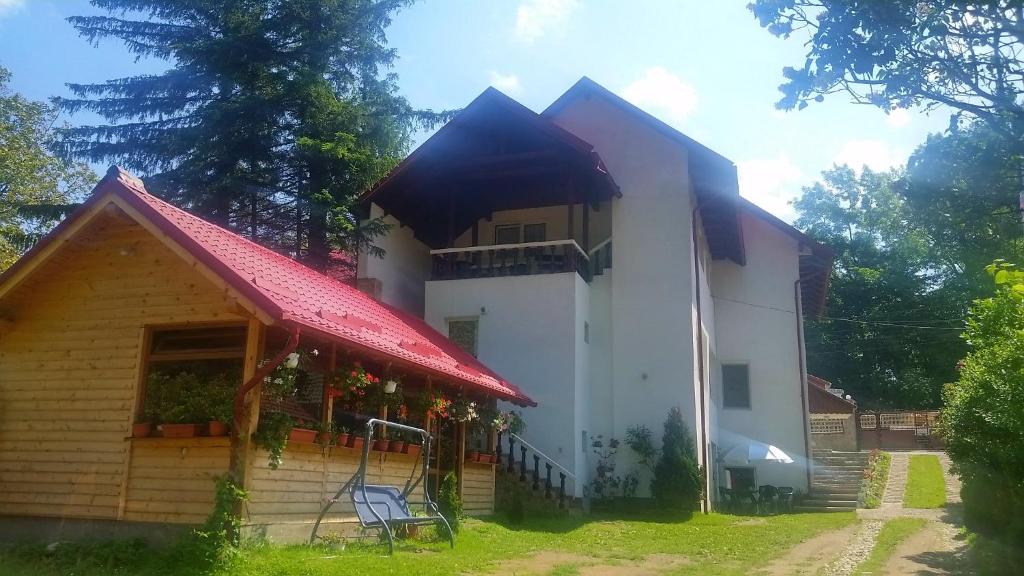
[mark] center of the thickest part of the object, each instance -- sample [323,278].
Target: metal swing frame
[382,507]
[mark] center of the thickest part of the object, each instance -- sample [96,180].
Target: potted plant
[472,455]
[272,434]
[343,436]
[355,441]
[216,403]
[396,445]
[326,435]
[303,432]
[142,429]
[380,444]
[412,444]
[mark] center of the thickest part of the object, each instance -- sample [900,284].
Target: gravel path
[937,550]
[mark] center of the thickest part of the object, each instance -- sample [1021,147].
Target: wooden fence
[898,430]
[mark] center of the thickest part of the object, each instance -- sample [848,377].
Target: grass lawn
[712,544]
[893,532]
[926,486]
[874,484]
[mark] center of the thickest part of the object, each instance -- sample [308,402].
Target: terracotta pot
[216,428]
[323,438]
[473,456]
[179,430]
[302,436]
[380,445]
[141,429]
[396,446]
[412,449]
[343,439]
[487,458]
[356,442]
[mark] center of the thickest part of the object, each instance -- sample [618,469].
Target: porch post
[242,448]
[460,453]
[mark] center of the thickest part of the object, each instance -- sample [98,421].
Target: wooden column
[327,404]
[254,341]
[460,453]
[585,236]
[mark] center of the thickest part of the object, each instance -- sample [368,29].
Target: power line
[893,324]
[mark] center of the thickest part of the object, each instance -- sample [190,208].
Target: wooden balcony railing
[524,259]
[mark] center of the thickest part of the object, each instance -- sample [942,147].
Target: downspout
[802,370]
[705,501]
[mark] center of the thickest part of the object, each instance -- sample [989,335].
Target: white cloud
[771,183]
[661,91]
[898,118]
[535,18]
[507,83]
[874,154]
[10,6]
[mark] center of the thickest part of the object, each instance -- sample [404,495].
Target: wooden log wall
[69,365]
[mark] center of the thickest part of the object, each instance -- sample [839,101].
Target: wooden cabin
[134,317]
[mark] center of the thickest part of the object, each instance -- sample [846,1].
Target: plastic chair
[786,498]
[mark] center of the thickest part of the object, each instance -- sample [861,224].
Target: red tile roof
[822,401]
[293,294]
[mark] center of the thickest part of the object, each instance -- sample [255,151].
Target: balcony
[522,259]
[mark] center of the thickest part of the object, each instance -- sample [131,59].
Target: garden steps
[835,482]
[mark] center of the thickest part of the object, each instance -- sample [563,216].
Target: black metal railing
[510,260]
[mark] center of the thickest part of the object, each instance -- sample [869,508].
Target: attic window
[197,343]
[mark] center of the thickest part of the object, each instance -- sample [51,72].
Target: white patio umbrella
[754,451]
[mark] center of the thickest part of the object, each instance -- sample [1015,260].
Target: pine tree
[273,116]
[677,478]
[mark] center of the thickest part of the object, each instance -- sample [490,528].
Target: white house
[606,264]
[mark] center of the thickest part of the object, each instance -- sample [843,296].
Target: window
[535,232]
[742,479]
[506,234]
[735,386]
[463,333]
[191,373]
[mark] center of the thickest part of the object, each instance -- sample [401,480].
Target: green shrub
[875,478]
[449,503]
[983,419]
[677,478]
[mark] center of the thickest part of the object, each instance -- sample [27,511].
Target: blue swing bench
[387,507]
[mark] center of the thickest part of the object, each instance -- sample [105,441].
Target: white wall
[652,342]
[529,333]
[404,268]
[755,314]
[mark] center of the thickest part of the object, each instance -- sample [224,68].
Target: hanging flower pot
[396,446]
[142,429]
[390,386]
[380,445]
[302,436]
[179,430]
[216,428]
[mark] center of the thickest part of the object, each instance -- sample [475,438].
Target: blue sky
[703,66]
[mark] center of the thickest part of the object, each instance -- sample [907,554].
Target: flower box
[380,445]
[323,438]
[141,429]
[397,446]
[473,456]
[356,442]
[179,430]
[412,449]
[343,439]
[216,428]
[302,436]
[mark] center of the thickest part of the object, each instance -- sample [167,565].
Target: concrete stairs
[835,482]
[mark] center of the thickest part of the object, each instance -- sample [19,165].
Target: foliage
[605,485]
[875,477]
[463,409]
[220,534]
[893,533]
[449,503]
[272,435]
[983,421]
[890,334]
[926,485]
[902,53]
[511,421]
[271,118]
[191,393]
[37,188]
[677,482]
[438,405]
[991,557]
[640,440]
[717,545]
